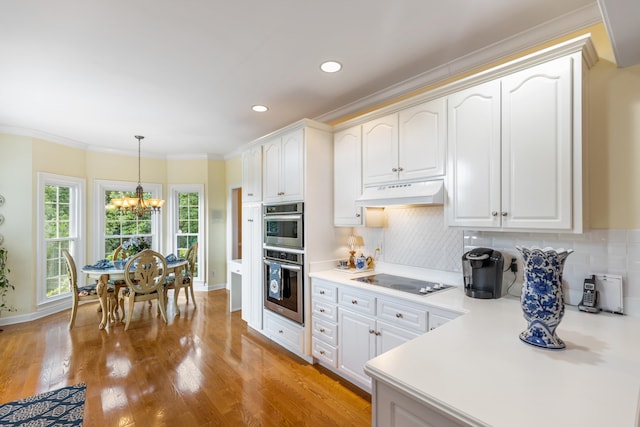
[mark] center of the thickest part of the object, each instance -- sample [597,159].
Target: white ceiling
[186,73]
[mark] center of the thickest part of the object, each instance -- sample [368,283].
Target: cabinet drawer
[403,315]
[356,301]
[285,333]
[326,331]
[325,353]
[325,311]
[324,291]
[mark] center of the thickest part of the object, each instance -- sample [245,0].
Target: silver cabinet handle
[249,194]
[394,170]
[504,214]
[322,310]
[378,333]
[322,330]
[399,315]
[322,352]
[494,213]
[281,331]
[354,301]
[358,215]
[400,169]
[321,292]
[371,331]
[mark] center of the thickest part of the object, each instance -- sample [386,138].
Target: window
[187,220]
[121,225]
[60,221]
[115,227]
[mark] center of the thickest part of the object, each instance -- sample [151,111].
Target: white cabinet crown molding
[581,44]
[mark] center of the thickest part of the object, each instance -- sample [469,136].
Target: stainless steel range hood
[410,193]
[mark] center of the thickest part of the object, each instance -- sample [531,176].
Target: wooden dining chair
[84,293]
[187,278]
[116,253]
[145,275]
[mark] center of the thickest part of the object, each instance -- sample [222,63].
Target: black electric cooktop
[414,286]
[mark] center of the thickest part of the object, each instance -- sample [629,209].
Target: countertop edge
[417,395]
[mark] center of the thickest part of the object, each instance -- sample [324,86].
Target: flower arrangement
[135,245]
[5,286]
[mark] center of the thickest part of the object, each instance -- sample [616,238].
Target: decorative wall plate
[1,239]
[1,200]
[1,219]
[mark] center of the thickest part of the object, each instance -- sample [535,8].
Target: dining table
[108,273]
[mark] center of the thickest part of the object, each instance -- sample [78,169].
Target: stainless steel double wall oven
[284,260]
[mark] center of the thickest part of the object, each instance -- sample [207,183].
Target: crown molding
[553,29]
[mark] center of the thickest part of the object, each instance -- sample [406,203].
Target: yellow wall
[16,185]
[216,220]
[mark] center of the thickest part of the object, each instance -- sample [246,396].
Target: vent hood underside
[409,193]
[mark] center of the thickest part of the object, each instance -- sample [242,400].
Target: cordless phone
[589,296]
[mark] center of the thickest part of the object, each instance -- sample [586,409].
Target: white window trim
[172,216]
[99,187]
[77,249]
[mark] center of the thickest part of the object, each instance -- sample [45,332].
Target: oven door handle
[284,266]
[290,267]
[282,217]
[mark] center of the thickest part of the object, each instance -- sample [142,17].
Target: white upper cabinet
[537,147]
[474,156]
[252,174]
[347,181]
[283,168]
[406,146]
[511,150]
[423,140]
[380,150]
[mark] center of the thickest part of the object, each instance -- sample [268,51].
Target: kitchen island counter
[475,371]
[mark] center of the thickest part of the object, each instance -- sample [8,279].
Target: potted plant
[135,245]
[5,286]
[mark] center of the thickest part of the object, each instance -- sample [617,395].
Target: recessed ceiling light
[259,108]
[331,66]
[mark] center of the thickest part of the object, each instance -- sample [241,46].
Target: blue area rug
[62,407]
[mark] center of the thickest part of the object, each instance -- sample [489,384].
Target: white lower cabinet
[393,408]
[356,345]
[284,332]
[350,326]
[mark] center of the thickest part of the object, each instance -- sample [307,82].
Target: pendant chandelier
[138,204]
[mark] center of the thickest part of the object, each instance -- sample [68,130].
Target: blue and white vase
[542,297]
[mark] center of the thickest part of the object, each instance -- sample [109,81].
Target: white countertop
[476,368]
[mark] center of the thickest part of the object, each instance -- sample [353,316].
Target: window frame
[77,225]
[100,186]
[172,222]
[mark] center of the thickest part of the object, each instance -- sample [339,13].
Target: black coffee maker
[482,269]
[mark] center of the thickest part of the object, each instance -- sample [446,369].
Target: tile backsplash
[418,237]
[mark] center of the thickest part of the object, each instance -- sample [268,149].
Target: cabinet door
[292,164]
[422,140]
[271,158]
[380,150]
[537,147]
[474,156]
[252,175]
[356,345]
[389,336]
[347,177]
[252,265]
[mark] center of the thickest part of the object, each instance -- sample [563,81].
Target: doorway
[236,223]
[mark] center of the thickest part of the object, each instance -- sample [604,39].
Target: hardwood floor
[204,368]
